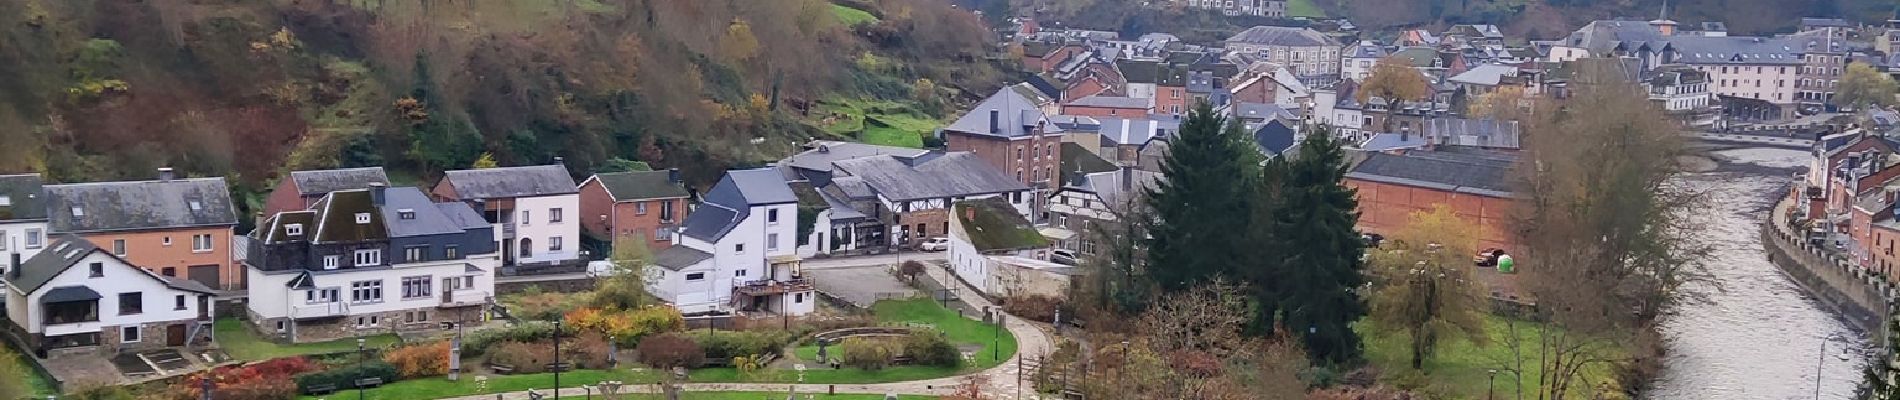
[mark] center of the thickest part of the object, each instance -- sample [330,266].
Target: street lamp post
[1491,384]
[361,353]
[1821,359]
[557,359]
[996,338]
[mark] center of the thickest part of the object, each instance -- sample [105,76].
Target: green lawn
[238,340]
[886,123]
[1304,8]
[961,331]
[1461,368]
[852,16]
[891,137]
[36,384]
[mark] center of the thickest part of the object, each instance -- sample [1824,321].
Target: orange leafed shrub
[429,359]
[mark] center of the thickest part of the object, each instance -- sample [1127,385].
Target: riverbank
[1863,299]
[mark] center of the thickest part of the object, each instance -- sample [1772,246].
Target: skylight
[6,201]
[195,205]
[79,212]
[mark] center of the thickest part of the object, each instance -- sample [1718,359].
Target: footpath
[1031,341]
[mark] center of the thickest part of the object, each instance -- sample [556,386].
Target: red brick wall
[1262,91]
[1002,154]
[596,210]
[284,197]
[1882,248]
[1084,88]
[1171,100]
[602,218]
[1384,208]
[1105,111]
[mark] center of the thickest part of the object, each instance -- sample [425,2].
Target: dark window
[449,252]
[554,215]
[131,303]
[169,271]
[98,269]
[71,312]
[771,216]
[696,276]
[178,302]
[415,253]
[666,210]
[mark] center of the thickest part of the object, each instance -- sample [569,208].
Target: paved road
[1779,141]
[1032,340]
[871,260]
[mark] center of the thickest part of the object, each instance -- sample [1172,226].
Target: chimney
[1405,133]
[166,174]
[995,122]
[673,175]
[377,191]
[13,268]
[561,161]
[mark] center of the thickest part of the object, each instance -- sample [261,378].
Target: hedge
[478,343]
[345,378]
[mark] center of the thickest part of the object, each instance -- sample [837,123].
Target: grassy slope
[852,16]
[36,384]
[243,344]
[877,122]
[1304,8]
[1461,368]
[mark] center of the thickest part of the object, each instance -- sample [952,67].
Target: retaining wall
[1862,298]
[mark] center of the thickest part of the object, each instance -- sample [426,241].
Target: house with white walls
[737,251]
[369,261]
[535,210]
[988,236]
[75,299]
[22,218]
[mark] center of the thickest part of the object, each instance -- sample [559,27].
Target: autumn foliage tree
[1861,86]
[1422,286]
[666,352]
[1394,81]
[420,360]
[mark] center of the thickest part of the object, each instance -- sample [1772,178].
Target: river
[1756,334]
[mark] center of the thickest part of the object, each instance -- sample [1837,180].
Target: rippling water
[1758,336]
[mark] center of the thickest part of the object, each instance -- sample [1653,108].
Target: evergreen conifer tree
[1319,251]
[1200,210]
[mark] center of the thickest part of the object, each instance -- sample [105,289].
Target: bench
[369,382]
[503,369]
[320,389]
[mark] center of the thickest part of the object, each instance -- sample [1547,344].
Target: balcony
[320,310]
[768,287]
[464,298]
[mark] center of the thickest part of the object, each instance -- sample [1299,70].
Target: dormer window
[406,214]
[293,229]
[362,218]
[79,212]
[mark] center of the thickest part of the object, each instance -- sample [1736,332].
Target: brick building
[648,205]
[302,188]
[1010,133]
[176,227]
[1392,186]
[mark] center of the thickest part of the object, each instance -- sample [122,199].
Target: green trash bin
[1505,264]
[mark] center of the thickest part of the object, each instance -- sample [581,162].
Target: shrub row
[725,345]
[345,378]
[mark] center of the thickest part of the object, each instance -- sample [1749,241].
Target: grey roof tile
[679,257]
[951,175]
[762,186]
[508,182]
[114,206]
[641,185]
[710,222]
[1112,102]
[24,197]
[426,217]
[320,182]
[1281,36]
[1477,172]
[65,251]
[823,152]
[1016,116]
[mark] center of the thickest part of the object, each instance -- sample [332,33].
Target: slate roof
[641,185]
[275,229]
[825,152]
[1366,49]
[1281,36]
[24,201]
[1419,57]
[1487,75]
[1483,132]
[64,252]
[116,206]
[1601,36]
[1474,172]
[1112,102]
[1076,123]
[1273,138]
[1260,110]
[677,258]
[1736,50]
[1677,75]
[1392,141]
[428,216]
[1109,185]
[336,219]
[1135,71]
[710,222]
[762,186]
[321,182]
[1017,115]
[731,200]
[509,182]
[1077,158]
[1138,130]
[954,174]
[993,225]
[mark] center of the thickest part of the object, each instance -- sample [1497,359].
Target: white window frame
[555,215]
[137,334]
[330,263]
[362,292]
[293,229]
[526,217]
[417,287]
[556,244]
[771,242]
[362,218]
[640,208]
[201,243]
[369,257]
[34,239]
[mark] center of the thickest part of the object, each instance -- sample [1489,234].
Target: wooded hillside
[109,89]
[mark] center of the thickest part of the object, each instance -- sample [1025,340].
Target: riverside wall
[1864,299]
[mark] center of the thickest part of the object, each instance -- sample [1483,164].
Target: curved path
[1031,339]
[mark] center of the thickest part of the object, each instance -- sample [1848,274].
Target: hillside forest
[250,89]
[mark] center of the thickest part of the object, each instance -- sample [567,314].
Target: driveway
[859,285]
[870,260]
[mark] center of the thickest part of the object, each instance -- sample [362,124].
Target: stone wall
[319,330]
[1859,296]
[580,283]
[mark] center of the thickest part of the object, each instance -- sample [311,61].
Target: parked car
[1487,258]
[1064,257]
[935,244]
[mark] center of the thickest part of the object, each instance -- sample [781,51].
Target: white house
[737,251]
[375,260]
[987,233]
[535,210]
[22,218]
[75,299]
[1357,60]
